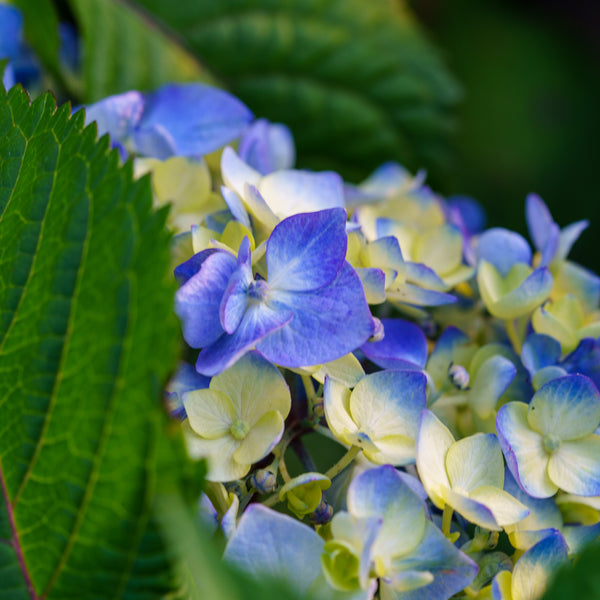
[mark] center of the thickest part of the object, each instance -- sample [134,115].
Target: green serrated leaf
[124,51]
[580,580]
[357,82]
[87,339]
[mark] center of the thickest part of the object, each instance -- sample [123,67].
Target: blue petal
[236,207]
[539,220]
[503,248]
[452,570]
[306,251]
[11,28]
[404,346]
[236,299]
[8,78]
[260,546]
[117,115]
[199,118]
[540,351]
[190,267]
[328,323]
[373,281]
[472,213]
[258,321]
[585,359]
[198,300]
[267,147]
[568,236]
[155,141]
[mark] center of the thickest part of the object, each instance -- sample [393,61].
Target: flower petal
[403,346]
[506,509]
[219,455]
[567,407]
[259,321]
[198,300]
[381,492]
[261,438]
[537,566]
[433,441]
[491,381]
[474,511]
[261,546]
[210,413]
[389,403]
[337,409]
[452,570]
[307,251]
[575,466]
[523,450]
[319,332]
[199,118]
[475,461]
[503,248]
[290,192]
[255,386]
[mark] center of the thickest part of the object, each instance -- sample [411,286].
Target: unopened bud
[378,333]
[458,376]
[263,481]
[322,514]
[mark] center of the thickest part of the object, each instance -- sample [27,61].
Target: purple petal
[503,248]
[328,323]
[258,322]
[199,118]
[11,30]
[306,251]
[404,346]
[197,301]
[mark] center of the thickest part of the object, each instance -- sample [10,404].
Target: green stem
[309,388]
[447,519]
[341,464]
[513,335]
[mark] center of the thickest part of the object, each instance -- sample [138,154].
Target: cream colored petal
[337,410]
[210,413]
[506,509]
[261,438]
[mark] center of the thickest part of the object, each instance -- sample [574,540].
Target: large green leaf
[124,51]
[356,81]
[87,338]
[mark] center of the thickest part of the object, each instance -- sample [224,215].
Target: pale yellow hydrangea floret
[565,320]
[185,183]
[467,475]
[239,419]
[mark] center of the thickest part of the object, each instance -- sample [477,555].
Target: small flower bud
[323,514]
[263,481]
[458,376]
[319,408]
[378,333]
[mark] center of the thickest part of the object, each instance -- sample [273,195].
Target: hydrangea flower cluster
[457,366]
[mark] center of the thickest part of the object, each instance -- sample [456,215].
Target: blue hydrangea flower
[190,119]
[311,308]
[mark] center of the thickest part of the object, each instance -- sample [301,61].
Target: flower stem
[447,519]
[513,335]
[309,388]
[341,464]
